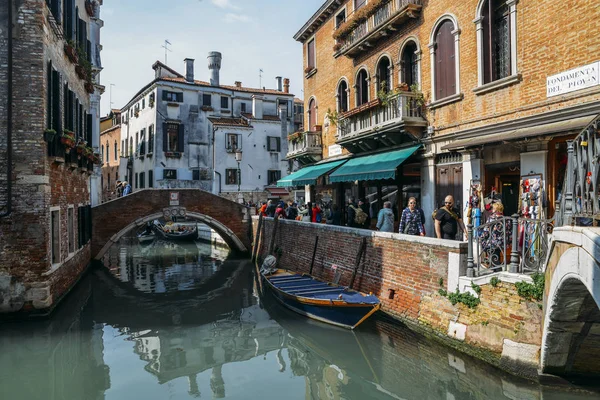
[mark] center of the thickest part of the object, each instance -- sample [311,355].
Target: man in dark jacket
[364,205]
[292,210]
[350,213]
[271,207]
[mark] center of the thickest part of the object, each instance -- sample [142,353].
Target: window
[243,107]
[362,88]
[69,14]
[55,9]
[131,146]
[102,152]
[224,102]
[135,185]
[107,152]
[143,103]
[142,145]
[273,143]
[409,68]
[142,180]
[310,54]
[444,61]
[151,139]
[71,228]
[340,18]
[122,148]
[150,179]
[342,97]
[273,176]
[173,137]
[84,225]
[384,77]
[231,176]
[196,175]
[359,3]
[312,114]
[55,235]
[496,43]
[170,174]
[206,100]
[233,141]
[53,99]
[172,96]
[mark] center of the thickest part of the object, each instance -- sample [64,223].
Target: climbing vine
[533,291]
[456,297]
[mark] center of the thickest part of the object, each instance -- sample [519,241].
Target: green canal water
[171,321]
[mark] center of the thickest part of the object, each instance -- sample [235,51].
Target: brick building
[49,96]
[110,153]
[485,87]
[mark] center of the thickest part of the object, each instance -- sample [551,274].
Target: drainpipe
[9,115]
[214,130]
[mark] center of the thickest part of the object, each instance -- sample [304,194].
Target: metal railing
[579,200]
[517,245]
[379,18]
[395,109]
[309,142]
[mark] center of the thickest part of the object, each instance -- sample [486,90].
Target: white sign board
[573,79]
[335,150]
[174,199]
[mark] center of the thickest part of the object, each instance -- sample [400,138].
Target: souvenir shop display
[532,196]
[474,203]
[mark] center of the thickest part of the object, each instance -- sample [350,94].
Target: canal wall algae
[408,273]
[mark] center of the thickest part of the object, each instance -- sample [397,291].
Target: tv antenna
[166,47]
[260,72]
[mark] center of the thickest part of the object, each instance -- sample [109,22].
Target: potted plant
[337,47]
[68,139]
[90,7]
[89,87]
[71,51]
[403,87]
[49,135]
[81,146]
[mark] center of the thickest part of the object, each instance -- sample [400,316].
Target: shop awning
[308,175]
[376,166]
[277,191]
[575,124]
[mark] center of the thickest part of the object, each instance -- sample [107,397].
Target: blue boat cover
[306,286]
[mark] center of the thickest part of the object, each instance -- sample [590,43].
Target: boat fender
[340,296]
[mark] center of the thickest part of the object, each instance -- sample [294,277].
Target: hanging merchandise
[474,203]
[532,208]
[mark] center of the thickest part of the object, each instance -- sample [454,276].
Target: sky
[250,34]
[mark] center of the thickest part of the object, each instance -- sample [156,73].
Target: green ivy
[443,293]
[485,323]
[494,281]
[465,298]
[533,291]
[476,288]
[441,282]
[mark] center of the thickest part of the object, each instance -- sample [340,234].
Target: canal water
[170,321]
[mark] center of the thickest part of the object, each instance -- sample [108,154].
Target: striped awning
[308,175]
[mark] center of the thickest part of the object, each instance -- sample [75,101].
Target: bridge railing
[517,245]
[580,201]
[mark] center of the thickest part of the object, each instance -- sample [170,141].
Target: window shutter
[164,95]
[180,97]
[310,48]
[180,138]
[278,144]
[49,95]
[56,121]
[165,137]
[89,131]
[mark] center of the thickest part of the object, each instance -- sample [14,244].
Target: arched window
[342,96]
[102,152]
[384,76]
[362,88]
[107,152]
[409,72]
[494,30]
[312,114]
[116,152]
[444,60]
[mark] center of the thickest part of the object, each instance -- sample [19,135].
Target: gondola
[163,232]
[146,237]
[325,302]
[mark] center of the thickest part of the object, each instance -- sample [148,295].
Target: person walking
[335,216]
[410,221]
[126,188]
[448,220]
[271,207]
[280,210]
[351,213]
[364,206]
[292,210]
[317,214]
[385,218]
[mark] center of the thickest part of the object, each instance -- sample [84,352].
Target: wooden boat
[319,300]
[175,235]
[146,237]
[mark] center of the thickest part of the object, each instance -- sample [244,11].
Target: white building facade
[178,132]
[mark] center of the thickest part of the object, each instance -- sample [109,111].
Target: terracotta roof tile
[264,118]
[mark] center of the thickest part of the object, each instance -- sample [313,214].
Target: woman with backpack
[317,214]
[411,222]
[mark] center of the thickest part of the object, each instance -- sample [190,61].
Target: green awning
[369,168]
[308,175]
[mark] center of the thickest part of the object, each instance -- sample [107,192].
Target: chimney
[214,66]
[279,87]
[286,85]
[238,84]
[257,107]
[189,69]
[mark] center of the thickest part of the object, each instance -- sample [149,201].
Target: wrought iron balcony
[305,147]
[378,26]
[379,123]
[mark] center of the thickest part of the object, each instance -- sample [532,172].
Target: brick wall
[28,280]
[539,55]
[110,167]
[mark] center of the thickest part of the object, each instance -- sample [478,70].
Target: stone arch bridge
[113,219]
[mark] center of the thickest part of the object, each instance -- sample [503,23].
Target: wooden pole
[361,250]
[273,234]
[256,237]
[312,262]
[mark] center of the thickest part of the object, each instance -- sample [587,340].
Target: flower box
[80,71]
[49,135]
[89,87]
[71,53]
[68,139]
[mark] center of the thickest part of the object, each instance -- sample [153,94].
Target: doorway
[505,179]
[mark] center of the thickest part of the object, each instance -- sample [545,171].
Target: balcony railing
[376,115]
[309,142]
[383,16]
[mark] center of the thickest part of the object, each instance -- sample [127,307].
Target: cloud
[225,4]
[231,18]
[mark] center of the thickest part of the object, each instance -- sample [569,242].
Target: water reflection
[113,340]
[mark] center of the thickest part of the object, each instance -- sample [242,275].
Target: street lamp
[238,158]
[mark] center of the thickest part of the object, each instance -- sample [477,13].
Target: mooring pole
[312,262]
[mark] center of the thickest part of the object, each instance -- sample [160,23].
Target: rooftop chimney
[214,66]
[238,84]
[279,87]
[286,85]
[189,69]
[257,107]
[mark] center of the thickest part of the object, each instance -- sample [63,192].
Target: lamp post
[238,158]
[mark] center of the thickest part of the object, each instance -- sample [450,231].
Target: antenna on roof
[166,47]
[260,72]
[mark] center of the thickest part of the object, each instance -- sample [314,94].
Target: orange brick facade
[110,138]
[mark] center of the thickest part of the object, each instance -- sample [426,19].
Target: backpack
[359,215]
[319,217]
[292,213]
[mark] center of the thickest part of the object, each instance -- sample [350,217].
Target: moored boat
[146,237]
[326,302]
[179,233]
